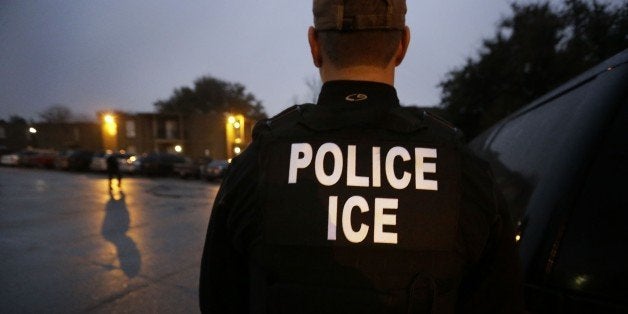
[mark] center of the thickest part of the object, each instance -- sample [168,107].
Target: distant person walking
[113,170]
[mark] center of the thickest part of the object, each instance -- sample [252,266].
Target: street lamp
[178,148]
[32,139]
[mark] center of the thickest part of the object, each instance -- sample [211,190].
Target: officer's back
[356,204]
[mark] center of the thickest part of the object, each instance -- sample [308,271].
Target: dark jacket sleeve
[492,283]
[224,278]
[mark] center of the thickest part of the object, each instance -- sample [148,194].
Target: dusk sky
[125,55]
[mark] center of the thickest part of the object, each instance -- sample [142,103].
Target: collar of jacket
[351,104]
[350,94]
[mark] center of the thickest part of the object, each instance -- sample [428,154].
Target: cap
[355,15]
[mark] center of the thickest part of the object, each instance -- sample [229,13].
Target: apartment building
[216,135]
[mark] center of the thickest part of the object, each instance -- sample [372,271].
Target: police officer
[356,204]
[113,170]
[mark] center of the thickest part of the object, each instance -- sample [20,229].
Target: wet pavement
[67,245]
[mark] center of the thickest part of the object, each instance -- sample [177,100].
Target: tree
[56,114]
[533,51]
[211,94]
[15,119]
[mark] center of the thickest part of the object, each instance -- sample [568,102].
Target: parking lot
[69,245]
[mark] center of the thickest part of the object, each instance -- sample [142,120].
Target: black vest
[357,218]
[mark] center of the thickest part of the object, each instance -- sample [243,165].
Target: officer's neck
[359,73]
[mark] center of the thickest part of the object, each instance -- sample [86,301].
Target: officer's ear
[315,47]
[403,46]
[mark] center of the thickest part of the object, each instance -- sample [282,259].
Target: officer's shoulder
[430,121]
[438,123]
[283,120]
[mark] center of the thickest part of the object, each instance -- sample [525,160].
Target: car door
[548,161]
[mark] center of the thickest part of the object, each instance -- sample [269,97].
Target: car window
[591,255]
[541,155]
[218,163]
[527,147]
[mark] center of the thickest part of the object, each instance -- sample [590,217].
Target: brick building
[18,135]
[217,135]
[72,135]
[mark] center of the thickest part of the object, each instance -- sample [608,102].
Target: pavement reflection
[114,229]
[69,246]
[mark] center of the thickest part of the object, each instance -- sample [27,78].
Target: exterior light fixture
[108,118]
[32,130]
[235,134]
[110,126]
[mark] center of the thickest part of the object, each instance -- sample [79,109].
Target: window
[539,142]
[2,132]
[130,129]
[171,129]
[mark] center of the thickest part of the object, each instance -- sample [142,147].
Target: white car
[99,162]
[10,159]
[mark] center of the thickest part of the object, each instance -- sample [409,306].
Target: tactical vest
[357,219]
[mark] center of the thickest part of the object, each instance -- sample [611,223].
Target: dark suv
[562,165]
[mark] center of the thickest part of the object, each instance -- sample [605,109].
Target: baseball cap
[355,15]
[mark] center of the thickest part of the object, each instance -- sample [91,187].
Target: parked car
[128,164]
[22,158]
[190,168]
[160,164]
[61,161]
[80,160]
[40,159]
[10,159]
[5,151]
[186,168]
[561,163]
[30,158]
[99,162]
[214,170]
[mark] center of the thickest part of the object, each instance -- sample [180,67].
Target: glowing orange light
[110,125]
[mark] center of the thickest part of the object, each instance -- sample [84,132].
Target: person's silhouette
[114,229]
[113,170]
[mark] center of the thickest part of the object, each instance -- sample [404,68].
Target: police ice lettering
[301,156]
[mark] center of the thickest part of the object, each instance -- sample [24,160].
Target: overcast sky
[125,55]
